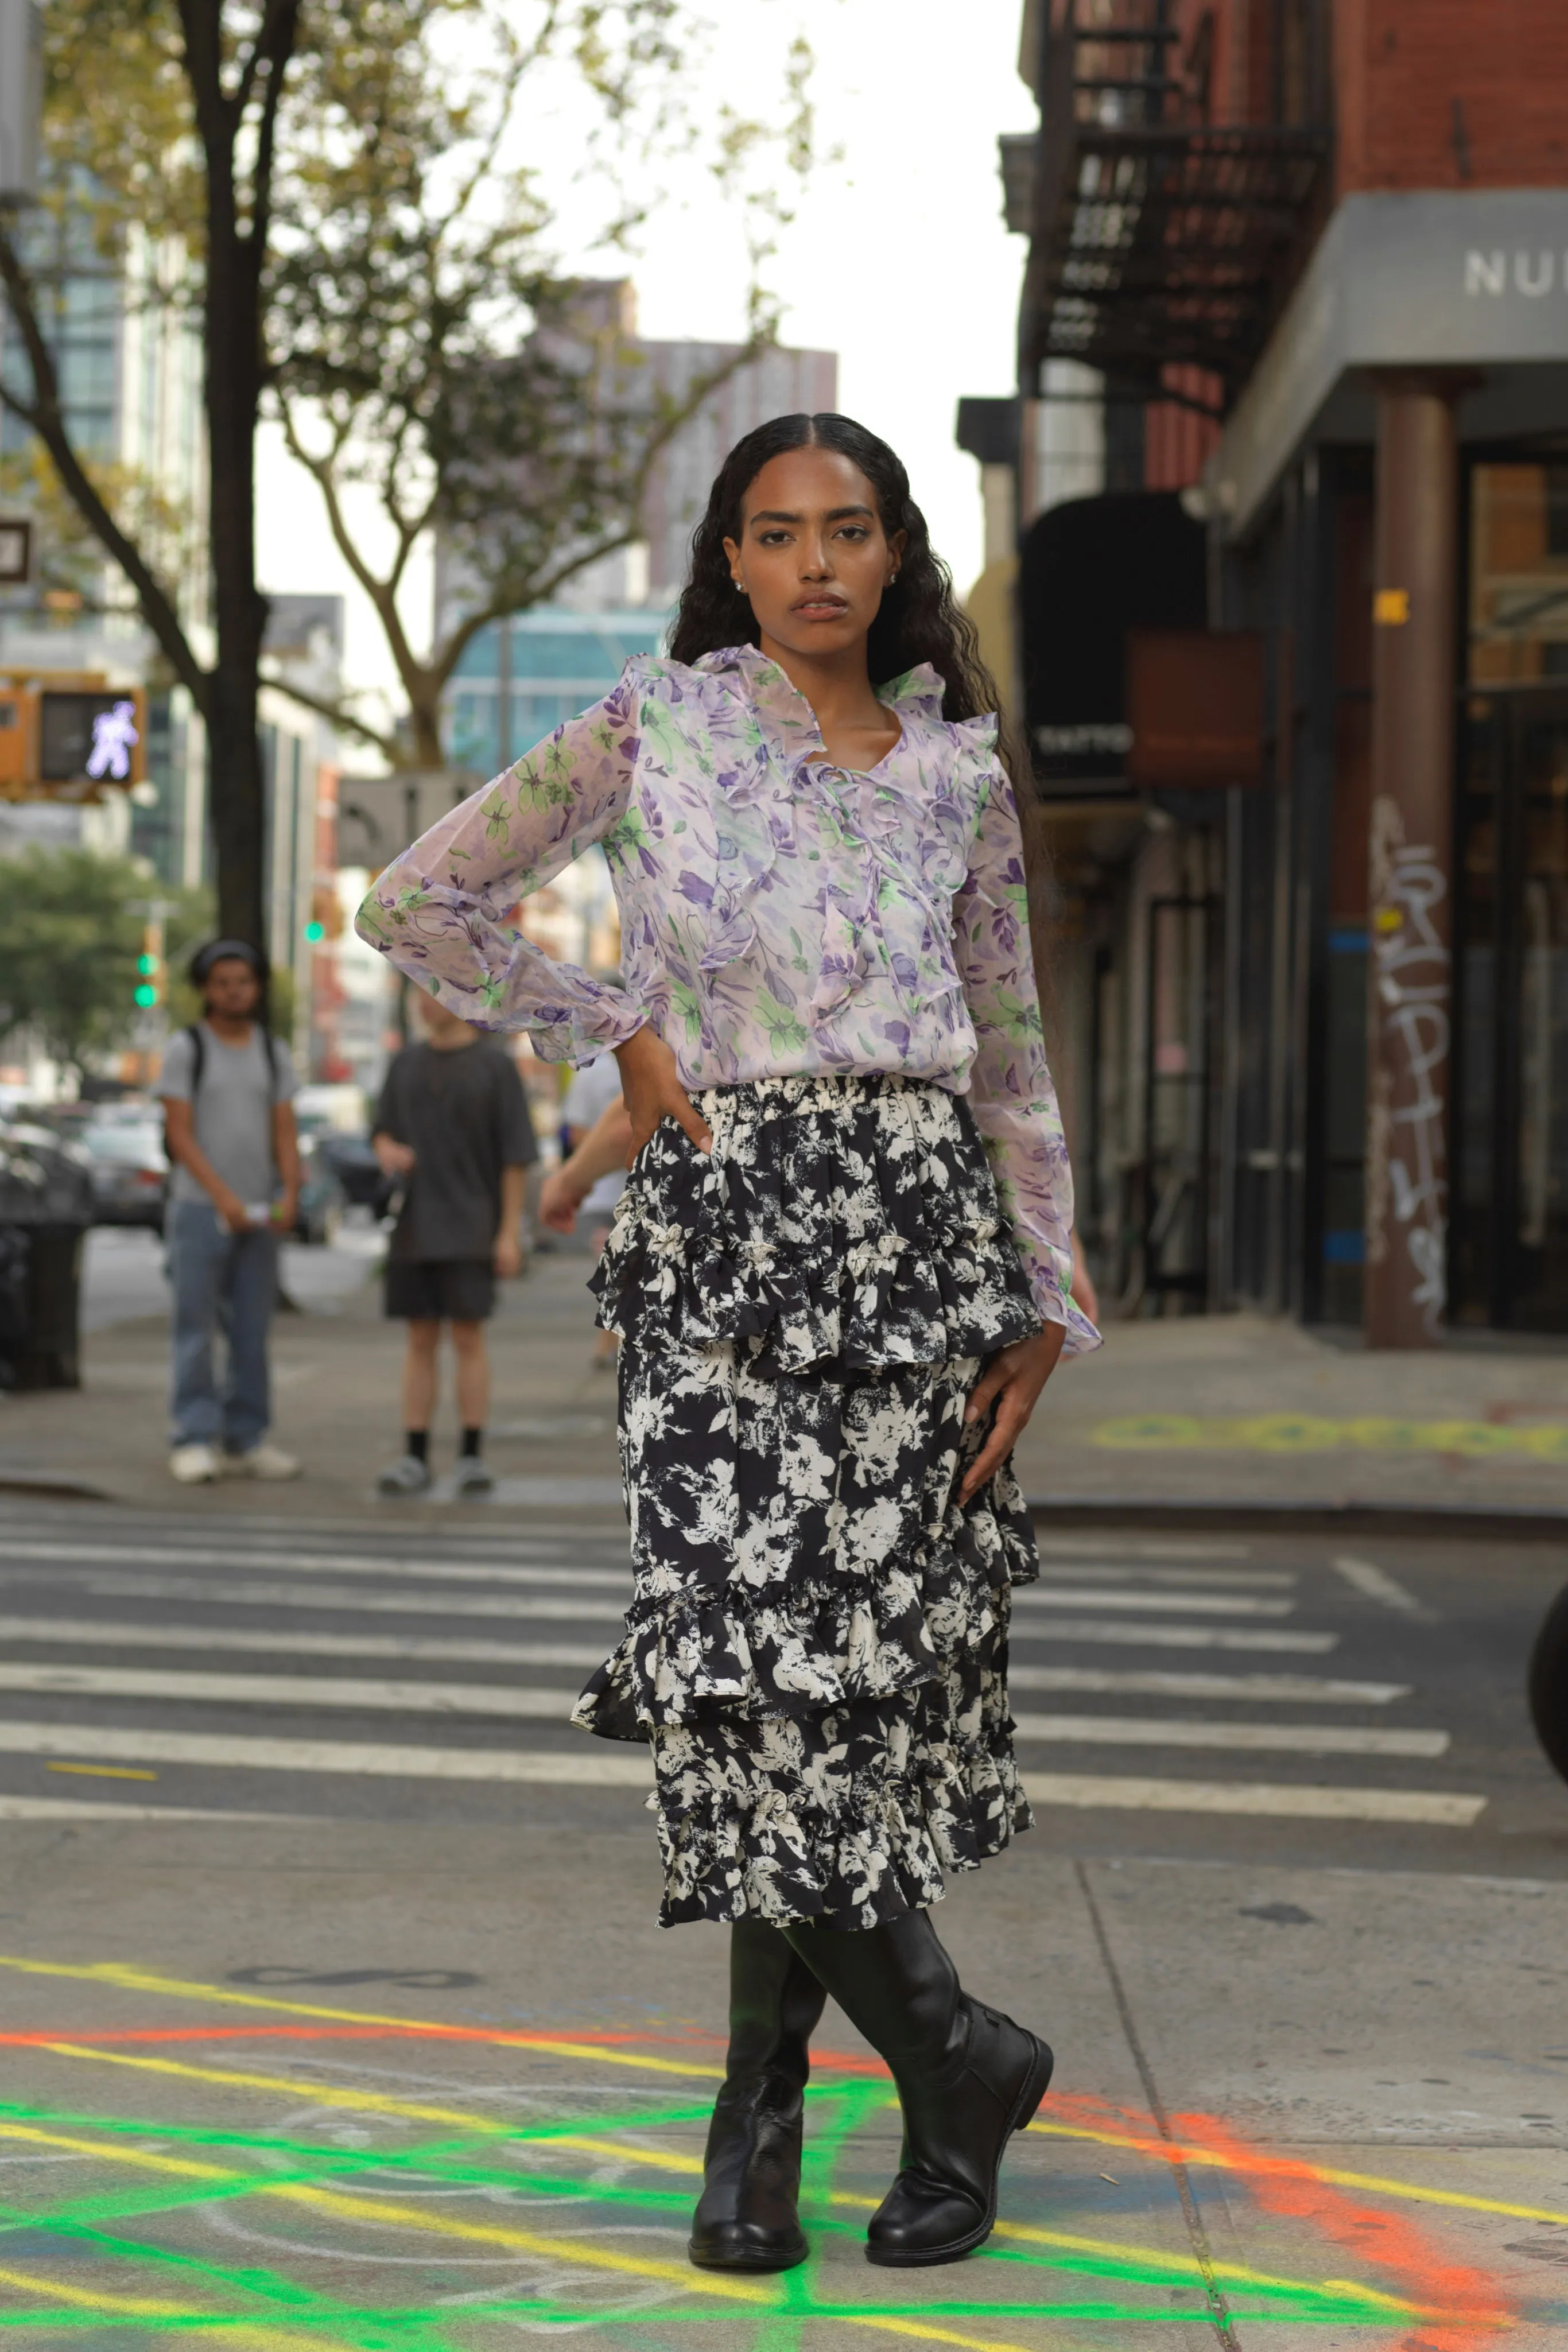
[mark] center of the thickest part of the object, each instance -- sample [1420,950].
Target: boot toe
[920,2223]
[745,2246]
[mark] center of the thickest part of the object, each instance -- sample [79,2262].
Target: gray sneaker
[472,1477]
[406,1475]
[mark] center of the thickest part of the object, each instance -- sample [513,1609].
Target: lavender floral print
[781,917]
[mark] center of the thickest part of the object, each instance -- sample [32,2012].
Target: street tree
[429,349]
[161,120]
[72,925]
[337,191]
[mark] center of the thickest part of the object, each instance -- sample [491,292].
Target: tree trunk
[233,395]
[232,349]
[425,725]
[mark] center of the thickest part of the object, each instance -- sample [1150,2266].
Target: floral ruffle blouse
[780,916]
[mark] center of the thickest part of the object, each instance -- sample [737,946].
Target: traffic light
[315,933]
[148,993]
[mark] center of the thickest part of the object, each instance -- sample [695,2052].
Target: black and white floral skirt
[817,1648]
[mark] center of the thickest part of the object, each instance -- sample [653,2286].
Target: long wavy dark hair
[919,620]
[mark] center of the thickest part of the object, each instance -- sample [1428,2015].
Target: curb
[1302,1515]
[57,1484]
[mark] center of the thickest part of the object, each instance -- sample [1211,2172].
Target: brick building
[1297,281]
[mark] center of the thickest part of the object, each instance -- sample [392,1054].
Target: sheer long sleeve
[444,911]
[1010,1090]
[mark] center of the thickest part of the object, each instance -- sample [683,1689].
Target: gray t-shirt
[233,1112]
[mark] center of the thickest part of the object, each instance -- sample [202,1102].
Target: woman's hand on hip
[1011,1382]
[650,1085]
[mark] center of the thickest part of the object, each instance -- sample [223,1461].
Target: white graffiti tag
[1412,982]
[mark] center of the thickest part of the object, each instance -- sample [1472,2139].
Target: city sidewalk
[1232,1410]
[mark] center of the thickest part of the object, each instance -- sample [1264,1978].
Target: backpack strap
[199,1060]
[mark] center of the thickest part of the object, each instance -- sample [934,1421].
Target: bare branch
[338,713]
[283,17]
[262,51]
[380,594]
[46,417]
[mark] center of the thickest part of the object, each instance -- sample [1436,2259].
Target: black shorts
[440,1290]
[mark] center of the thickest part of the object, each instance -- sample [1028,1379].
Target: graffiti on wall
[1407,1189]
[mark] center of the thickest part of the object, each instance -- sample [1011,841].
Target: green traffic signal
[146,965]
[314,932]
[146,996]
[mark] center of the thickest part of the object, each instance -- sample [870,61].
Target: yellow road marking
[364,2208]
[380,2103]
[142,2306]
[313,2093]
[186,2167]
[132,1980]
[1373,2183]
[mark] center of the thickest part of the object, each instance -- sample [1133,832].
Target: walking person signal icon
[115,736]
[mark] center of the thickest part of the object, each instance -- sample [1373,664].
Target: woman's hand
[1011,1381]
[650,1085]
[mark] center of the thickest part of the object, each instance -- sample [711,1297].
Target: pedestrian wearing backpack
[227,1088]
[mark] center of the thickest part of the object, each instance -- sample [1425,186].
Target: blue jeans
[222,1281]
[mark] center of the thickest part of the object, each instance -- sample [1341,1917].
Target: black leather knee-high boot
[967,2078]
[746,2218]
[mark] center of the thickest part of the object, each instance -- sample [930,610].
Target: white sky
[897,260]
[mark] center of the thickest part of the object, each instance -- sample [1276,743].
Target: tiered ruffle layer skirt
[817,1647]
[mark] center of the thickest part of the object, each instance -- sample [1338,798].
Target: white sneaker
[263,1461]
[195,1465]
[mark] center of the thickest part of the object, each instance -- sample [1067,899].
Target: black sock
[418,1442]
[473,1444]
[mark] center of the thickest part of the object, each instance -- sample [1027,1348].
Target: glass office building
[519,679]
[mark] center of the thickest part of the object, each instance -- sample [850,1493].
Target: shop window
[1556,509]
[1518,607]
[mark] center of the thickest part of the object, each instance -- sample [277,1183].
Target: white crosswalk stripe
[190,1603]
[1284,1738]
[600,1766]
[116,1635]
[1173,1637]
[1276,1690]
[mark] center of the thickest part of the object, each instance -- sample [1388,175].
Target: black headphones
[219,951]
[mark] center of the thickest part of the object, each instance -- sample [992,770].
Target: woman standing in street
[841,1274]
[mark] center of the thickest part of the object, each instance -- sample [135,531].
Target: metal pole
[1410,893]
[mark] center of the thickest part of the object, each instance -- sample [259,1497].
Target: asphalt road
[1254,1699]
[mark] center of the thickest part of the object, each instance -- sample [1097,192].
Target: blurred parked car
[130,1169]
[365,1184]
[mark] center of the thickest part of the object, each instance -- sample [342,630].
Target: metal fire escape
[1158,238]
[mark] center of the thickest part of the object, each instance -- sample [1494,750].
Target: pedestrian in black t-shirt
[453,1127]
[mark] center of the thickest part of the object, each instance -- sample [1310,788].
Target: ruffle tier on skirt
[817,1647]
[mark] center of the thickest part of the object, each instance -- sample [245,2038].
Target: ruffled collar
[787,721]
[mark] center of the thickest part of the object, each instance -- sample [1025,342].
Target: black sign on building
[1090,571]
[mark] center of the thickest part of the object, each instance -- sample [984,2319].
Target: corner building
[1294,666]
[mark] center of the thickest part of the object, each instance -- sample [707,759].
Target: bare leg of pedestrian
[410,1475]
[473,1405]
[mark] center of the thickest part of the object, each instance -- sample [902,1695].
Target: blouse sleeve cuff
[1055,1305]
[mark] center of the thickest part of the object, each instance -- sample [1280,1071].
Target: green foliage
[69,944]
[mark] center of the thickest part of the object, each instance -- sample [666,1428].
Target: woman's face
[812,557]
